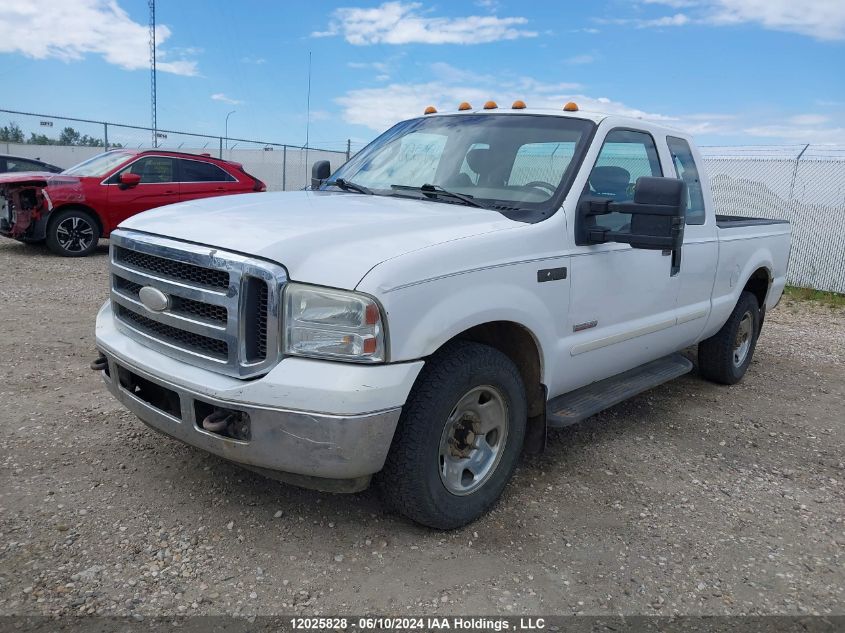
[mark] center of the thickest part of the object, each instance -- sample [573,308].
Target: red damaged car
[75,208]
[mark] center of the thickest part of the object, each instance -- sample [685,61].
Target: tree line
[13,133]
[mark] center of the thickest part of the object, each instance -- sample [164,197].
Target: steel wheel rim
[75,234]
[473,440]
[742,342]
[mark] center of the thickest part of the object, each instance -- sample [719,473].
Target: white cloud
[222,97]
[253,60]
[797,134]
[679,19]
[578,60]
[69,31]
[821,19]
[675,4]
[489,5]
[378,66]
[403,23]
[378,108]
[809,119]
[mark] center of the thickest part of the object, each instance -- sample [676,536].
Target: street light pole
[227,127]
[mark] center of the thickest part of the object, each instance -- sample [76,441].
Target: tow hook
[228,423]
[101,363]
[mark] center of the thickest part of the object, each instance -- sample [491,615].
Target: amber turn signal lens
[571,107]
[430,110]
[518,105]
[464,106]
[490,105]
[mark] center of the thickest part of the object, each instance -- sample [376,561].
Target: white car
[425,313]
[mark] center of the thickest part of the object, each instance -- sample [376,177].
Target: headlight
[333,324]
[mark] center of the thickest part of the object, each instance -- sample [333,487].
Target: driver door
[159,186]
[623,299]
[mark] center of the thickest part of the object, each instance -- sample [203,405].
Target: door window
[196,171]
[19,164]
[541,163]
[152,169]
[688,172]
[625,156]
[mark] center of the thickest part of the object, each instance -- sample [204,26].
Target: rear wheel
[459,438]
[726,355]
[73,233]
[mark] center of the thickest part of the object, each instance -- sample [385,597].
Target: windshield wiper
[433,191]
[346,185]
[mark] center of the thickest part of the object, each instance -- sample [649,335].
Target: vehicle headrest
[610,180]
[479,160]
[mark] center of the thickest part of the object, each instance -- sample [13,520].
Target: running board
[580,404]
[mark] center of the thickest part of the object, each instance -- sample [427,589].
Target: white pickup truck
[423,314]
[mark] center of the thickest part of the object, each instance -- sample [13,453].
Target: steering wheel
[539,184]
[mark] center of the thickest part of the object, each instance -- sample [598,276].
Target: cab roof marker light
[490,105]
[571,107]
[464,106]
[519,104]
[430,110]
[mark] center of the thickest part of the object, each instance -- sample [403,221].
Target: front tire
[459,438]
[73,233]
[725,356]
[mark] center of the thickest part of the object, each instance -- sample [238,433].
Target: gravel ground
[690,499]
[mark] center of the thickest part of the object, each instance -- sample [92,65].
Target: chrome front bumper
[338,453]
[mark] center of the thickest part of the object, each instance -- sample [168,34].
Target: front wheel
[725,356]
[459,438]
[72,233]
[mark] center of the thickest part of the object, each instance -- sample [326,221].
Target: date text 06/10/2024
[419,623]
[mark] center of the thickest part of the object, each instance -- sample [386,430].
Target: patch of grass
[832,299]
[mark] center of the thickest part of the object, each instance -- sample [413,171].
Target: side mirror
[656,216]
[320,170]
[128,180]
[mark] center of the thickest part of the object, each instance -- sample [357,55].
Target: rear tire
[72,233]
[459,437]
[725,356]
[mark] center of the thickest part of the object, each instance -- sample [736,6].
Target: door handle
[666,252]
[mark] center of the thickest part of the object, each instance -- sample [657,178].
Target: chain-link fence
[804,184]
[66,141]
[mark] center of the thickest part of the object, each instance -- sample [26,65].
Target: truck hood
[321,237]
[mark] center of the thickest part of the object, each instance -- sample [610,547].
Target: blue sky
[729,71]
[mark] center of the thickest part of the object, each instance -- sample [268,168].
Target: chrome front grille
[223,309]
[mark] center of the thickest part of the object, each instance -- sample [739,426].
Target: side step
[580,404]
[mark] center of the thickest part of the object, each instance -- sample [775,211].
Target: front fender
[423,317]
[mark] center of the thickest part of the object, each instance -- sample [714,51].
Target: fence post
[795,173]
[348,148]
[284,167]
[220,151]
[106,136]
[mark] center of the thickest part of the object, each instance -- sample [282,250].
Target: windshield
[509,162]
[99,165]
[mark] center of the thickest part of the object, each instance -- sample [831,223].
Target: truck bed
[736,221]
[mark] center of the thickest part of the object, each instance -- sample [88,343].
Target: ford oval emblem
[154,299]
